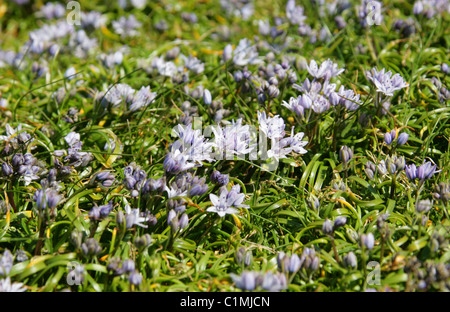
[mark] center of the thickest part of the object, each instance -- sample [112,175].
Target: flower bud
[445,68]
[426,171]
[128,266]
[273,91]
[294,263]
[227,52]
[423,206]
[6,170]
[91,247]
[411,172]
[339,222]
[142,242]
[367,240]
[135,278]
[207,98]
[184,221]
[350,260]
[402,138]
[346,154]
[327,227]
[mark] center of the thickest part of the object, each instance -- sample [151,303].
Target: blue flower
[227,201]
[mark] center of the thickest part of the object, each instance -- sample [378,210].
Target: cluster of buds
[328,226]
[390,137]
[423,172]
[442,192]
[251,280]
[308,261]
[25,167]
[134,179]
[126,267]
[428,275]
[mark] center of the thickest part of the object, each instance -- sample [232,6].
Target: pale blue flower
[384,81]
[226,201]
[127,26]
[7,286]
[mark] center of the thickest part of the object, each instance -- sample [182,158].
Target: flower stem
[394,179]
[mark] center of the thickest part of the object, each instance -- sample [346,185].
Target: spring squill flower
[134,217]
[384,81]
[245,281]
[367,240]
[7,286]
[6,263]
[327,69]
[245,53]
[232,140]
[426,171]
[227,201]
[126,27]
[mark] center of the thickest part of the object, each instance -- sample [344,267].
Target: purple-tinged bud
[94,213]
[103,175]
[346,154]
[367,240]
[370,169]
[339,222]
[227,52]
[282,261]
[120,218]
[135,278]
[243,256]
[219,178]
[53,198]
[184,221]
[39,199]
[292,76]
[418,8]
[411,172]
[130,182]
[105,210]
[198,189]
[142,242]
[426,171]
[273,81]
[238,76]
[17,160]
[54,49]
[245,281]
[314,202]
[327,227]
[172,215]
[262,97]
[350,260]
[70,73]
[273,91]
[128,266]
[52,174]
[387,138]
[113,266]
[207,98]
[423,206]
[6,263]
[402,138]
[91,247]
[108,183]
[305,101]
[445,68]
[334,98]
[294,263]
[6,170]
